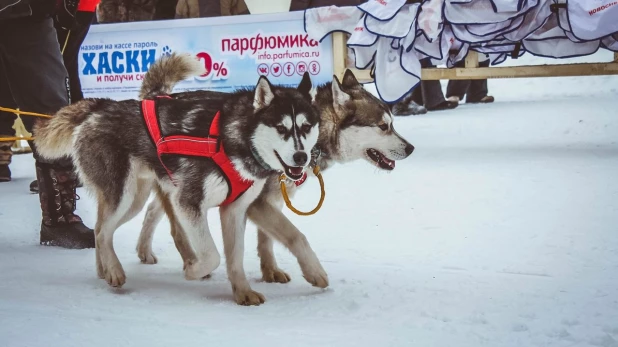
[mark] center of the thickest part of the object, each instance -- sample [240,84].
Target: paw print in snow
[167,51]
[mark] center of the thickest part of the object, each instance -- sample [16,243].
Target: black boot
[57,192]
[34,186]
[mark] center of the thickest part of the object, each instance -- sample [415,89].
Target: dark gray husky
[263,131]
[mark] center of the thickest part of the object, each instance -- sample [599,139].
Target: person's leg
[432,93]
[39,83]
[477,92]
[70,43]
[7,120]
[457,88]
[407,106]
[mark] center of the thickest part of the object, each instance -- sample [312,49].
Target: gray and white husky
[354,125]
[265,131]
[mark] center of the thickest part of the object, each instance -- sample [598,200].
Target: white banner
[235,51]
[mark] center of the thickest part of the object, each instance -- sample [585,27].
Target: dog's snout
[300,158]
[409,149]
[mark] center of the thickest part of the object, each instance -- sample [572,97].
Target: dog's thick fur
[353,123]
[116,158]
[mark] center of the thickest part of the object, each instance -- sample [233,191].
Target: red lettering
[602,8]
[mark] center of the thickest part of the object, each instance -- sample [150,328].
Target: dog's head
[364,126]
[288,126]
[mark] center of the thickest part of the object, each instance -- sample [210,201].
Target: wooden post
[340,54]
[472,59]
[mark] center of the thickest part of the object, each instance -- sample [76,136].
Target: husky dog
[264,131]
[354,125]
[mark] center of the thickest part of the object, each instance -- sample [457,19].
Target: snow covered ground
[500,230]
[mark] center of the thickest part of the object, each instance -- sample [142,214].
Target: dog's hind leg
[131,203]
[271,273]
[178,234]
[233,225]
[154,213]
[273,222]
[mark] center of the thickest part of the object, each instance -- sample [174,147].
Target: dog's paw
[275,275]
[199,270]
[147,257]
[115,276]
[316,276]
[248,297]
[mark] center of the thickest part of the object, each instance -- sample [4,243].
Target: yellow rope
[65,43]
[15,138]
[12,110]
[284,192]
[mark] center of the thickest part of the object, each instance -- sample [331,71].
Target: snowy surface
[500,230]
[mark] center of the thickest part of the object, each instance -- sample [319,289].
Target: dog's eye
[383,126]
[281,129]
[305,128]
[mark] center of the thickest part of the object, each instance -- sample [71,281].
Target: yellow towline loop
[284,192]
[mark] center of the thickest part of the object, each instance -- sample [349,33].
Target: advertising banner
[235,51]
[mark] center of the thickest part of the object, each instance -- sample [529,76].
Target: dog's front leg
[272,221]
[233,225]
[190,223]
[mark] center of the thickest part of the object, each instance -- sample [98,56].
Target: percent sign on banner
[209,65]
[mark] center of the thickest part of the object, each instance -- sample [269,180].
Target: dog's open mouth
[293,172]
[380,159]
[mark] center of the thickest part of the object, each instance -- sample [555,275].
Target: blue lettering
[104,64]
[89,69]
[115,67]
[148,58]
[132,61]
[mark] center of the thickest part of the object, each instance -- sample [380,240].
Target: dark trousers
[474,90]
[32,63]
[6,100]
[70,42]
[428,93]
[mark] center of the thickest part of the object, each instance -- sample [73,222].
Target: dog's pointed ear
[339,96]
[349,80]
[305,85]
[264,94]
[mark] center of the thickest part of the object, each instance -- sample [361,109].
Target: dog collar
[261,161]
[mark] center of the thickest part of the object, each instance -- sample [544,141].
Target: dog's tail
[53,138]
[166,72]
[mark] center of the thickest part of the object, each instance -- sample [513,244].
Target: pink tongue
[296,170]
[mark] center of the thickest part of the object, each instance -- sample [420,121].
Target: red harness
[208,147]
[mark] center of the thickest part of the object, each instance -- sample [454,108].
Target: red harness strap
[208,147]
